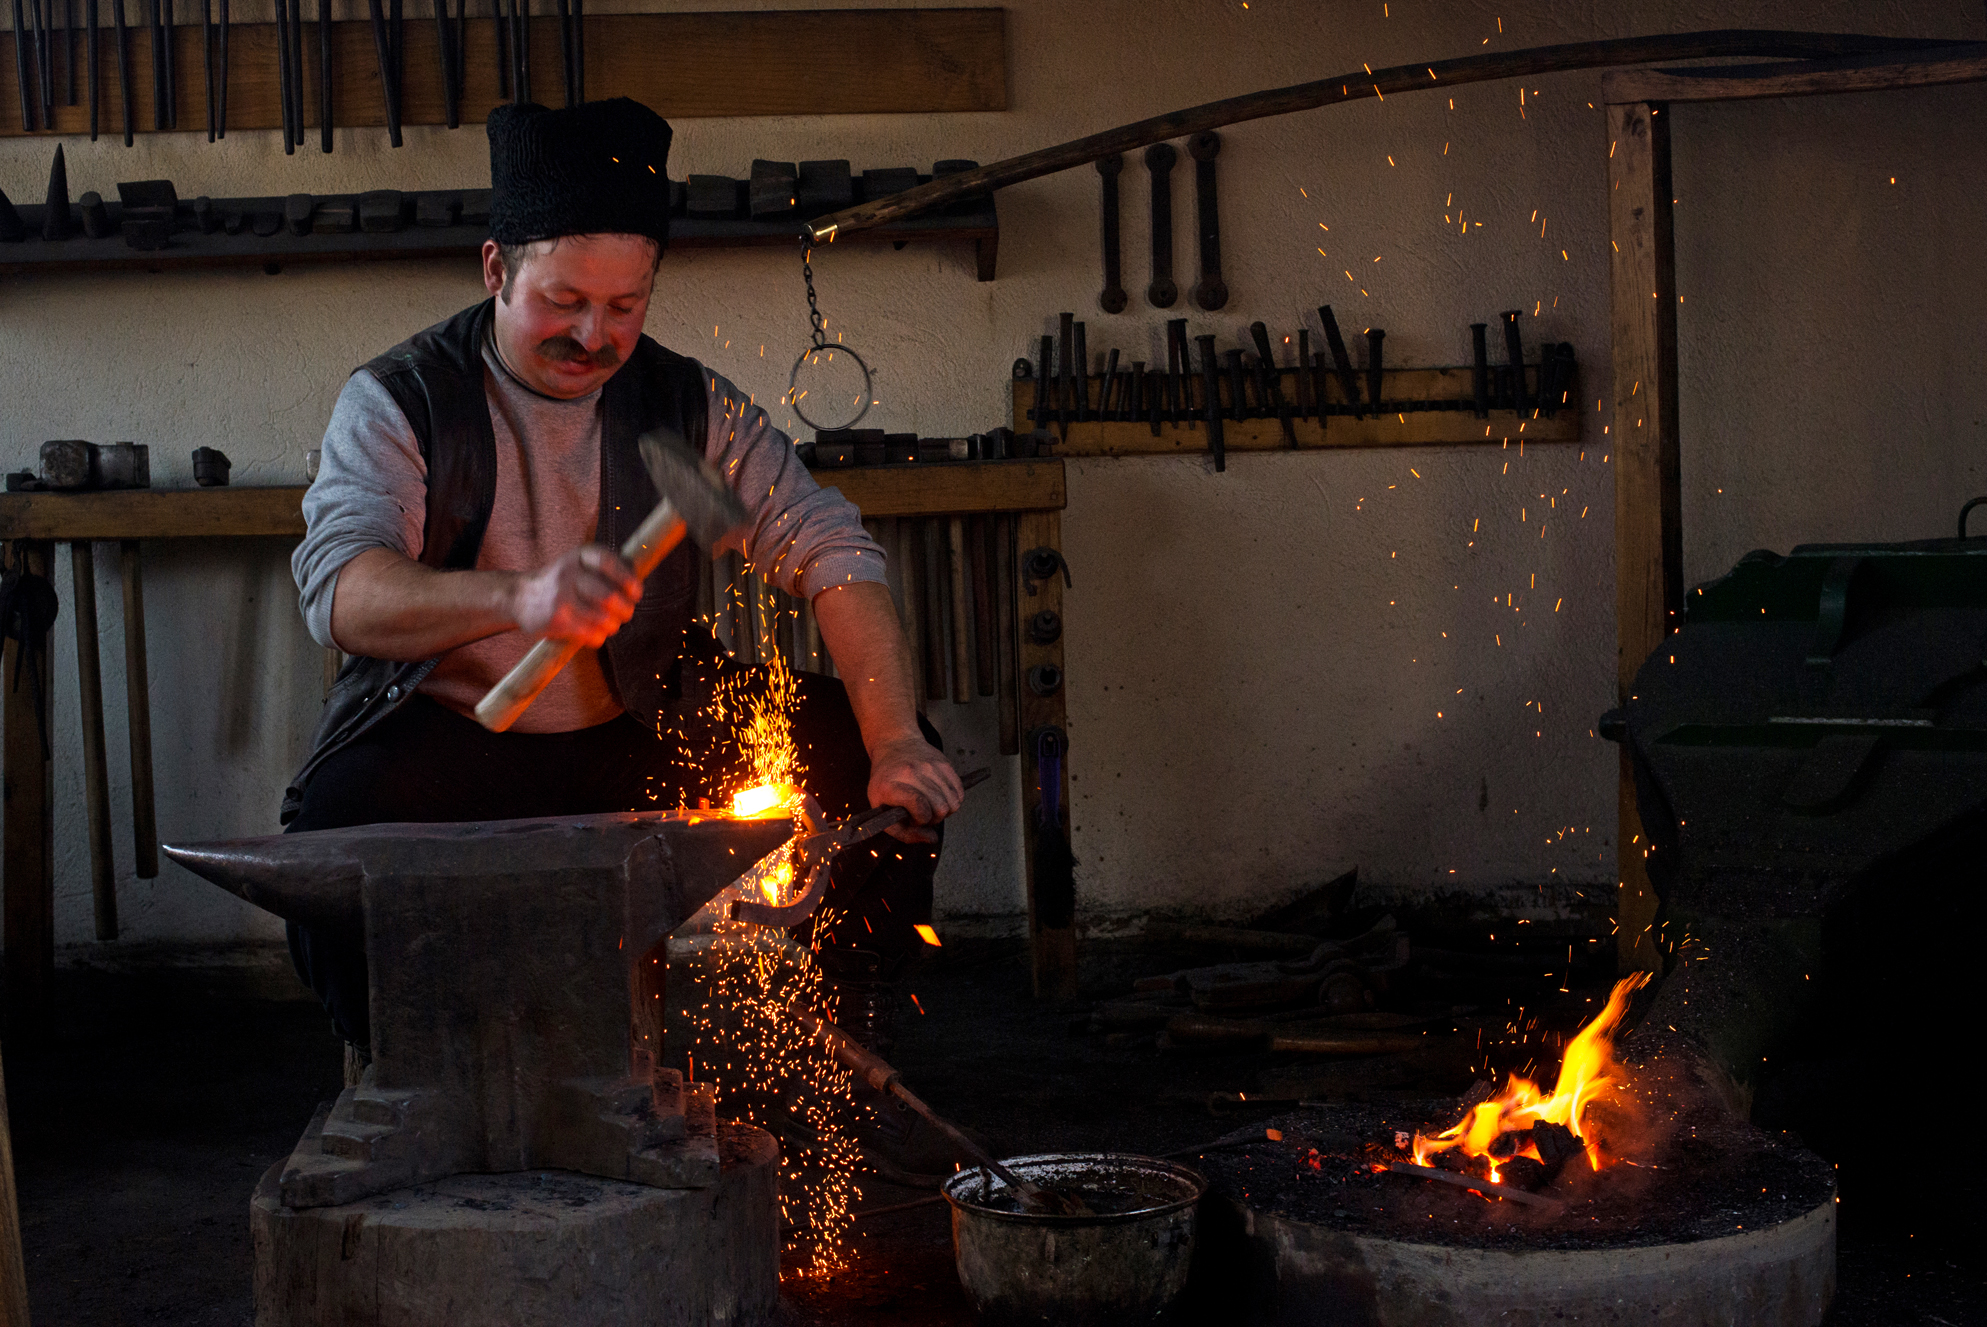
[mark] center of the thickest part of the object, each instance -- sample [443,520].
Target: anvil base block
[529,1249]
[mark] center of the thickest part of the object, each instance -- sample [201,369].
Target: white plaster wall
[1305,663]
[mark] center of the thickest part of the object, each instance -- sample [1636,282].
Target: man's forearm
[388,606]
[860,629]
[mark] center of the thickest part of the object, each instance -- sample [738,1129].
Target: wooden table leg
[1051,920]
[28,790]
[96,779]
[13,1271]
[138,708]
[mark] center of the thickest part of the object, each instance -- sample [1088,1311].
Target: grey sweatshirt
[371,492]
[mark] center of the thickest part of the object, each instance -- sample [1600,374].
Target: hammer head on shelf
[706,503]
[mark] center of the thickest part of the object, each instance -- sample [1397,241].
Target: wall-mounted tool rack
[1422,408]
[189,246]
[1021,499]
[822,62]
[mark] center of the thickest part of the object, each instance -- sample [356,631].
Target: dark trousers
[427,763]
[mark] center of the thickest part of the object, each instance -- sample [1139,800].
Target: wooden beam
[1357,85]
[1805,78]
[950,487]
[1428,428]
[815,62]
[1648,502]
[27,788]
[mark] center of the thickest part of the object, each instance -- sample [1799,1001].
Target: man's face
[569,315]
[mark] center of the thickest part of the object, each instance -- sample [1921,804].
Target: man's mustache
[565,350]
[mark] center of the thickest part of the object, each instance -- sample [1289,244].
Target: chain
[820,344]
[813,309]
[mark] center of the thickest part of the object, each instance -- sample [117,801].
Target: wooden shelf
[191,248]
[945,487]
[1403,428]
[816,62]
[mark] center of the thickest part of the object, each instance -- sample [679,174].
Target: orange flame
[1587,1072]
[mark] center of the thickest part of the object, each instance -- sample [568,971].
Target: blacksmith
[475,481]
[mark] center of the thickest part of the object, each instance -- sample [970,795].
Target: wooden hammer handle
[644,551]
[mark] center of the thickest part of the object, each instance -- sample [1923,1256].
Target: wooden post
[1051,928]
[138,710]
[1647,485]
[96,778]
[13,1270]
[28,791]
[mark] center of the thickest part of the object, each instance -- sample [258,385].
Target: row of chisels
[46,50]
[1202,384]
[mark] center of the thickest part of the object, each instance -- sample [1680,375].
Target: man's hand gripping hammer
[694,501]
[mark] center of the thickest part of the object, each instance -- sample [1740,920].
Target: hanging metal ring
[793,394]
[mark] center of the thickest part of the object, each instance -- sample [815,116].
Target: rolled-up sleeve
[801,538]
[371,491]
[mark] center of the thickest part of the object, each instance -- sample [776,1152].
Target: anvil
[515,990]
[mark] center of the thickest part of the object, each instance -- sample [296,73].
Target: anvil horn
[281,874]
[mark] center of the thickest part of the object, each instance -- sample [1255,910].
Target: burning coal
[1523,1124]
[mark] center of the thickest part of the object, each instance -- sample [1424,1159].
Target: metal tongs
[816,851]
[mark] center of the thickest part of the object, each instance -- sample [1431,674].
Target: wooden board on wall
[1428,428]
[817,62]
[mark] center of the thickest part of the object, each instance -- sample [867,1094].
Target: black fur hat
[598,168]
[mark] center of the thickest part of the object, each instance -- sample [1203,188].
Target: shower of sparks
[735,1016]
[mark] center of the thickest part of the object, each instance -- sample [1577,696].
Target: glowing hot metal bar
[815,851]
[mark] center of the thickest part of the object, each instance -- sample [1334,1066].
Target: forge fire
[1520,1135]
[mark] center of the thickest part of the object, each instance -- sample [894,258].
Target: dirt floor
[146,1110]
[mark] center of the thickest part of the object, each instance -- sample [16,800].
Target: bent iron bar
[1358,86]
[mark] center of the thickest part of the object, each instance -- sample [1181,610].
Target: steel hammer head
[710,510]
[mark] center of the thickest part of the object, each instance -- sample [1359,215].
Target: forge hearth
[1716,1222]
[514,1153]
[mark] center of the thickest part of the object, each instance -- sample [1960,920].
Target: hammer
[693,501]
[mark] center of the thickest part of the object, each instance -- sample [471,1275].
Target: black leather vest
[436,377]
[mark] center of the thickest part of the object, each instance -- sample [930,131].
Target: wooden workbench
[1030,494]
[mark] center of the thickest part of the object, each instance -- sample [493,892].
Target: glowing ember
[926,934]
[1498,1130]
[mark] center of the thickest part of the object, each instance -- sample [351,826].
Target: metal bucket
[1126,1264]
